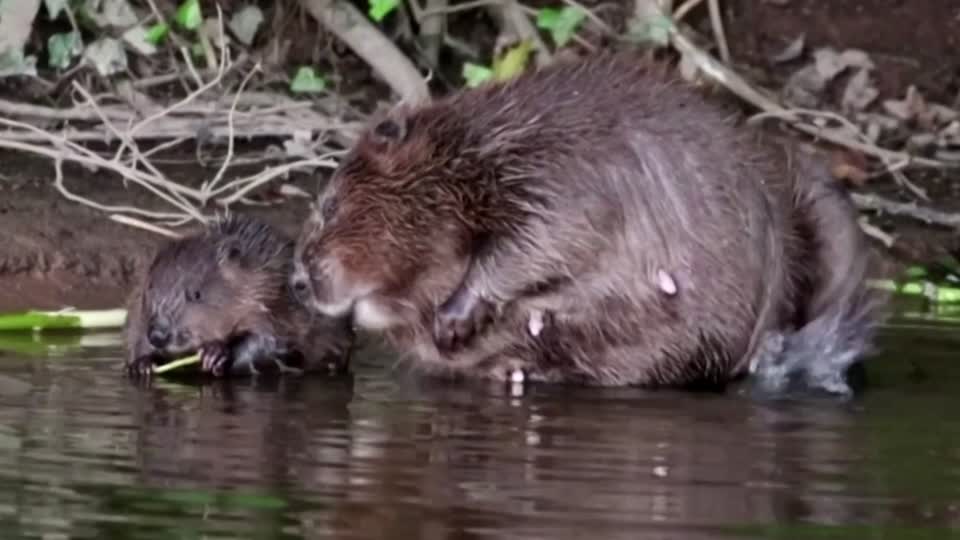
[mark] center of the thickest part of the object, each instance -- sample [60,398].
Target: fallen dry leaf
[943,114]
[791,52]
[849,166]
[830,63]
[860,92]
[907,108]
[805,86]
[856,58]
[922,143]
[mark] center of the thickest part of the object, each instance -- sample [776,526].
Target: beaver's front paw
[215,358]
[141,366]
[460,318]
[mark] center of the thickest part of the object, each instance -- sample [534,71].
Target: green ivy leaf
[156,33]
[547,18]
[189,15]
[244,23]
[562,23]
[655,29]
[54,7]
[13,62]
[62,47]
[381,8]
[107,55]
[306,81]
[475,74]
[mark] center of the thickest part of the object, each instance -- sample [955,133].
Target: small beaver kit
[224,293]
[596,221]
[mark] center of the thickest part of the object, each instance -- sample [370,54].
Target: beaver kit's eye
[193,295]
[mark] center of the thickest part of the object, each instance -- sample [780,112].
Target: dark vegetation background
[881,76]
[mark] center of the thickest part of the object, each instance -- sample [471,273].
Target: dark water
[86,454]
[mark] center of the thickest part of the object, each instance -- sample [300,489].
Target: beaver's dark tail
[840,313]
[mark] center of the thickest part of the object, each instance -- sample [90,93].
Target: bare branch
[352,28]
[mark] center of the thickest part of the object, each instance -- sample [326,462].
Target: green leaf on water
[157,32]
[475,74]
[62,48]
[562,23]
[39,320]
[189,15]
[381,8]
[307,81]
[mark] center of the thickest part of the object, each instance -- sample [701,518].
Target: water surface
[85,453]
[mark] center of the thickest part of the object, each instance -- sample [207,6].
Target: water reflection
[86,454]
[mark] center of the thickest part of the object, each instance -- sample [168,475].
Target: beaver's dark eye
[389,130]
[328,208]
[193,295]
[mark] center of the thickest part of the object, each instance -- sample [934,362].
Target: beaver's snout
[300,285]
[159,334]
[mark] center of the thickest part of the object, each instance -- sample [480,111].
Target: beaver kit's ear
[391,130]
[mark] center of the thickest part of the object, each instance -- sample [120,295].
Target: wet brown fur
[240,267]
[565,191]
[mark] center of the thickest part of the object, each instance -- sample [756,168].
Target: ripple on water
[84,453]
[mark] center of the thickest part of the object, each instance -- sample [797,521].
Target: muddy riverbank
[55,252]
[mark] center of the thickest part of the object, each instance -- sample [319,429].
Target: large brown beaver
[224,292]
[529,225]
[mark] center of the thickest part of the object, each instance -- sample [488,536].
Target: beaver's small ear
[391,130]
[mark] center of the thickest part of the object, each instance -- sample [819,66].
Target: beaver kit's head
[403,204]
[210,286]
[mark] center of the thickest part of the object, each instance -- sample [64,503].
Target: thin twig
[87,157]
[604,27]
[716,21]
[193,95]
[892,165]
[176,189]
[684,9]
[465,6]
[351,27]
[927,215]
[208,187]
[69,195]
[140,224]
[257,180]
[876,233]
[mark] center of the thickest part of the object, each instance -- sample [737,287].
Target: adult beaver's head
[402,206]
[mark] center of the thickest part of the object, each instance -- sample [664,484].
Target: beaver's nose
[158,335]
[300,288]
[300,285]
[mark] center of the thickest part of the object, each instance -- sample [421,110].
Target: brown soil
[910,42]
[55,252]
